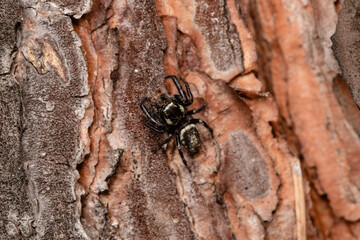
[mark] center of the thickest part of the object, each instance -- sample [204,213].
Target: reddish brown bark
[284,159]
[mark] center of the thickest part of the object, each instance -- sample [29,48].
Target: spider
[174,118]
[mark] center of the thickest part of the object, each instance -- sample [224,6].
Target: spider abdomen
[190,138]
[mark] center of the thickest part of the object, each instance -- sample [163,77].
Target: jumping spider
[173,117]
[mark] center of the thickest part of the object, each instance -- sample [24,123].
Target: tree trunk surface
[280,82]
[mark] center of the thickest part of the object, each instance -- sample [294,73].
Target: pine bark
[77,161]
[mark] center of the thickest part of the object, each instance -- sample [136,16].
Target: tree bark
[78,162]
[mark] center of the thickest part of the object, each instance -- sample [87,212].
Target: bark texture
[347,46]
[77,161]
[16,216]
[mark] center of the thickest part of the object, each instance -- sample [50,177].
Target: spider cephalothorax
[173,117]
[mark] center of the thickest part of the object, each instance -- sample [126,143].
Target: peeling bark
[347,47]
[77,161]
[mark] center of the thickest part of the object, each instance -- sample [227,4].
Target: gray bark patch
[15,208]
[245,169]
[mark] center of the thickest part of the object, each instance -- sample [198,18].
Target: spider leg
[179,99]
[157,116]
[190,100]
[166,140]
[147,113]
[196,121]
[191,112]
[181,91]
[156,129]
[155,105]
[164,97]
[178,145]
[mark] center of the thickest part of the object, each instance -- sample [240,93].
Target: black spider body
[190,137]
[174,118]
[173,113]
